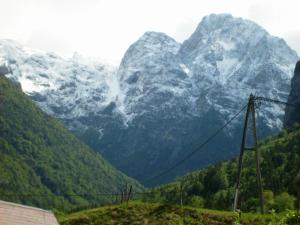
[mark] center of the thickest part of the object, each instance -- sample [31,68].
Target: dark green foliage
[280,166]
[43,164]
[283,202]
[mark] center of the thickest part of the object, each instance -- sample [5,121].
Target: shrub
[196,201]
[284,202]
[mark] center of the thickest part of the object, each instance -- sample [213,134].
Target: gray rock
[4,70]
[292,114]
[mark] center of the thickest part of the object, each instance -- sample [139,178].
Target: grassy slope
[157,214]
[42,162]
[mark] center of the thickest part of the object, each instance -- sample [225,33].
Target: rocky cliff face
[292,114]
[176,95]
[4,70]
[165,98]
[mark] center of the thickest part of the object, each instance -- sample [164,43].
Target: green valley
[43,164]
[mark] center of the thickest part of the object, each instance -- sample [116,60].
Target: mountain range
[166,97]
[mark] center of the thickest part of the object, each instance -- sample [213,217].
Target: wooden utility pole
[181,203]
[250,112]
[129,194]
[116,198]
[126,193]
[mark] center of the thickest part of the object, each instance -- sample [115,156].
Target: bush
[269,200]
[284,202]
[292,218]
[196,201]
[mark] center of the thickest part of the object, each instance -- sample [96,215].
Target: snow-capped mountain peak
[64,88]
[168,95]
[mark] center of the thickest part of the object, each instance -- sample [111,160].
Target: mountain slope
[213,187]
[43,164]
[292,113]
[166,97]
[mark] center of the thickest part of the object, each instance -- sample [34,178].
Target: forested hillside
[213,187]
[43,164]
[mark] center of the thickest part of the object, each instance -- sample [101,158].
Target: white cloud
[184,29]
[106,28]
[293,39]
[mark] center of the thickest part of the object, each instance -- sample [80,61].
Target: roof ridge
[25,206]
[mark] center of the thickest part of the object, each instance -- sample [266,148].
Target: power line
[163,172]
[61,195]
[259,98]
[199,147]
[86,194]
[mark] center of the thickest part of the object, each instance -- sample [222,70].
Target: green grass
[137,213]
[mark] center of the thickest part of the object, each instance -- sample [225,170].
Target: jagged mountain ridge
[64,88]
[168,95]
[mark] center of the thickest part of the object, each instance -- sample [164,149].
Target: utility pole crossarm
[259,98]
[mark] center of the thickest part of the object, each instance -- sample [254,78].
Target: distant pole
[122,195]
[116,198]
[180,194]
[129,194]
[126,193]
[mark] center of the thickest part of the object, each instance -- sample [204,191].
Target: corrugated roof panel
[15,214]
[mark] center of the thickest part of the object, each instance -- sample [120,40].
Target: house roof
[15,214]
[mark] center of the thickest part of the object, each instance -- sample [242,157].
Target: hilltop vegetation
[43,164]
[213,187]
[159,214]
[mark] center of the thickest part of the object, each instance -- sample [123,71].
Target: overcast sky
[105,28]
